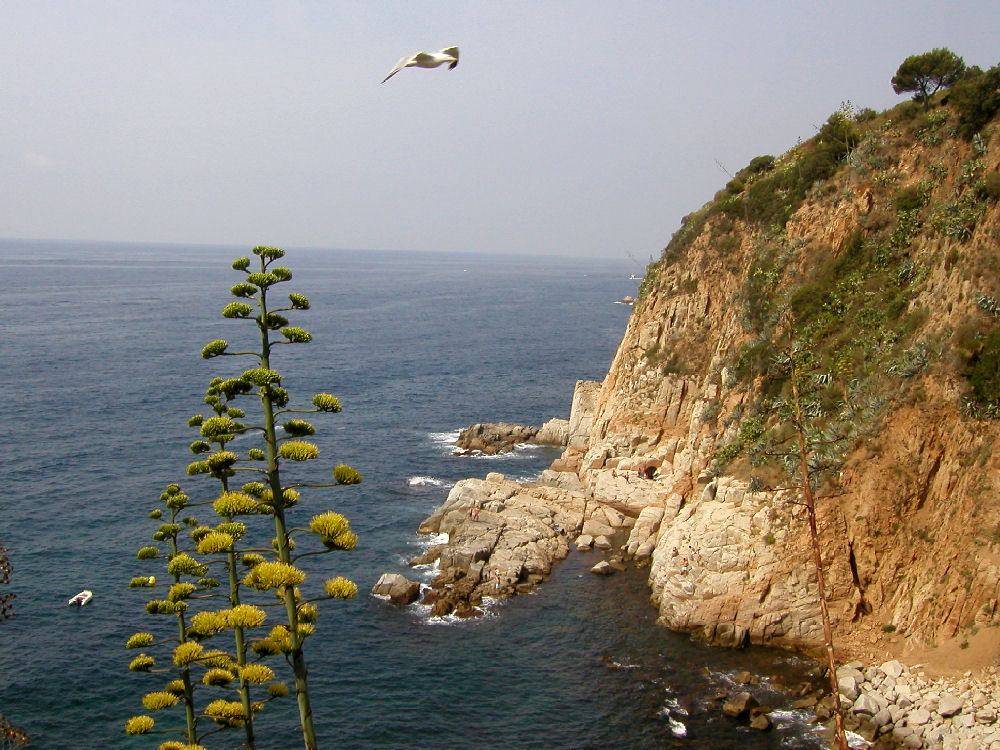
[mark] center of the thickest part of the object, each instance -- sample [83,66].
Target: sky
[586,128]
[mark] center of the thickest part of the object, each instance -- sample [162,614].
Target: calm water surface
[102,368]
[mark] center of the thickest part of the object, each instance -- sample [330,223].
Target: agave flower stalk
[275,497]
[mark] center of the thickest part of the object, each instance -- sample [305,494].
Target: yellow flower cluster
[142,663]
[279,640]
[245,616]
[326,402]
[273,575]
[139,725]
[138,640]
[218,659]
[215,542]
[217,677]
[298,450]
[226,713]
[158,700]
[257,674]
[232,504]
[205,624]
[341,588]
[184,564]
[180,591]
[187,652]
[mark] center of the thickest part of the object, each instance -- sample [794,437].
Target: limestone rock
[603,568]
[739,704]
[493,438]
[397,587]
[553,432]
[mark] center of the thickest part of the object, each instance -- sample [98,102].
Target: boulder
[553,432]
[494,438]
[949,705]
[738,705]
[398,588]
[603,568]
[584,542]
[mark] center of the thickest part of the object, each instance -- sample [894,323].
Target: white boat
[82,598]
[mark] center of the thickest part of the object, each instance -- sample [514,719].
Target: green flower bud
[142,663]
[308,612]
[299,301]
[147,553]
[298,450]
[261,376]
[237,310]
[200,446]
[296,335]
[346,475]
[256,454]
[197,467]
[282,273]
[250,559]
[214,348]
[268,253]
[184,564]
[235,413]
[179,591]
[231,504]
[235,529]
[139,640]
[243,289]
[254,488]
[262,280]
[241,264]
[218,428]
[208,583]
[156,514]
[142,582]
[196,420]
[326,402]
[299,428]
[273,321]
[279,396]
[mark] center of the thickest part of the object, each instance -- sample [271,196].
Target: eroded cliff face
[909,530]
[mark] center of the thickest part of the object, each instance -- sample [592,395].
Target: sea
[101,370]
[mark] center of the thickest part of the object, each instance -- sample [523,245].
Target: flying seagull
[426,60]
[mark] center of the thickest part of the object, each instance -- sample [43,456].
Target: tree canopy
[928,73]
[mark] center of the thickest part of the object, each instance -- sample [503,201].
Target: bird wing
[453,52]
[403,62]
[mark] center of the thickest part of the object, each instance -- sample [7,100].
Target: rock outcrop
[657,466]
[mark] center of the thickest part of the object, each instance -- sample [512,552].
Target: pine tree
[235,543]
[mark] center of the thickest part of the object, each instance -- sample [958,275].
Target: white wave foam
[426,482]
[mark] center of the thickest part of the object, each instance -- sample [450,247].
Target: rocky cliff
[881,277]
[845,292]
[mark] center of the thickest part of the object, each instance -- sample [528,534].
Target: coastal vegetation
[834,334]
[260,603]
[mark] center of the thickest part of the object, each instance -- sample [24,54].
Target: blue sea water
[101,370]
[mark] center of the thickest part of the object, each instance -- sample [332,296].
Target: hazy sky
[581,128]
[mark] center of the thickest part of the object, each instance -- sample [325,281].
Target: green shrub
[983,371]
